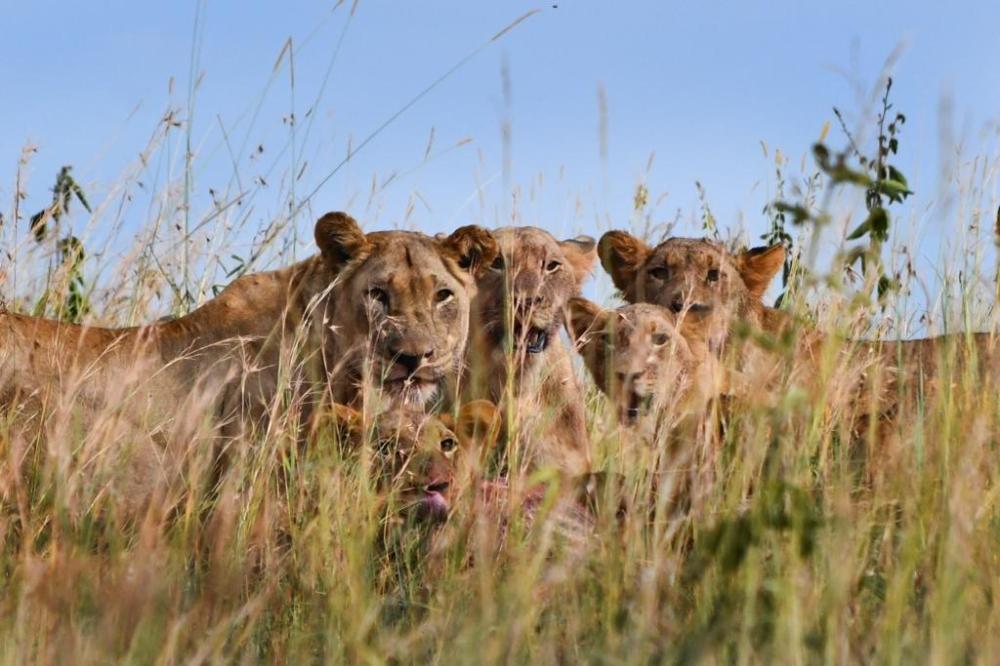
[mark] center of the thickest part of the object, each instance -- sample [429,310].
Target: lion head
[399,307]
[696,278]
[523,294]
[639,358]
[425,459]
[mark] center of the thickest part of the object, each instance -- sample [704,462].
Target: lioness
[391,307]
[515,356]
[640,359]
[386,310]
[715,289]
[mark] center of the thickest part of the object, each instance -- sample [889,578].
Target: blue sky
[698,85]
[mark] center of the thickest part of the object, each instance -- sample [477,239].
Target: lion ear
[584,316]
[347,422]
[478,422]
[759,265]
[472,247]
[581,253]
[340,239]
[621,256]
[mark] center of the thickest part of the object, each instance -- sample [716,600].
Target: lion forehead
[525,240]
[639,321]
[692,251]
[646,317]
[406,257]
[646,312]
[416,443]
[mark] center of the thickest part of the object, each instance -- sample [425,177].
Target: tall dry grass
[797,545]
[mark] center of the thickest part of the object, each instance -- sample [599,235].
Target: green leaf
[877,224]
[897,175]
[860,231]
[799,213]
[878,220]
[71,251]
[821,153]
[887,285]
[78,191]
[841,173]
[38,224]
[895,190]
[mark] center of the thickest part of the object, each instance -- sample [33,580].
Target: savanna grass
[798,540]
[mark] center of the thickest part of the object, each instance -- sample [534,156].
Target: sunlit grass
[797,544]
[771,533]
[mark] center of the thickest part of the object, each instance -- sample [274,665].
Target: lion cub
[640,359]
[425,459]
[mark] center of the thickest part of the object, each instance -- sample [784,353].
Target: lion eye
[660,273]
[498,264]
[448,445]
[379,295]
[443,296]
[553,266]
[660,339]
[713,275]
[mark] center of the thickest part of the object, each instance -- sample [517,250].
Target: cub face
[400,303]
[425,459]
[639,358]
[696,278]
[524,292]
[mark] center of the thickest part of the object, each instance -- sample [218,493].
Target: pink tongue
[435,501]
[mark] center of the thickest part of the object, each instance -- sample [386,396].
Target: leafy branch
[73,305]
[884,185]
[63,192]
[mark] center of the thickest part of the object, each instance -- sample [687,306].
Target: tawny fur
[428,460]
[311,327]
[640,358]
[522,296]
[717,291]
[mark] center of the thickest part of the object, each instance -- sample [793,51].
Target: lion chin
[412,391]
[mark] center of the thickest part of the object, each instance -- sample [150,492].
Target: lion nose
[410,360]
[437,486]
[528,302]
[629,378]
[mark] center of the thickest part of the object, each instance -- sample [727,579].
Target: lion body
[516,358]
[302,334]
[154,368]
